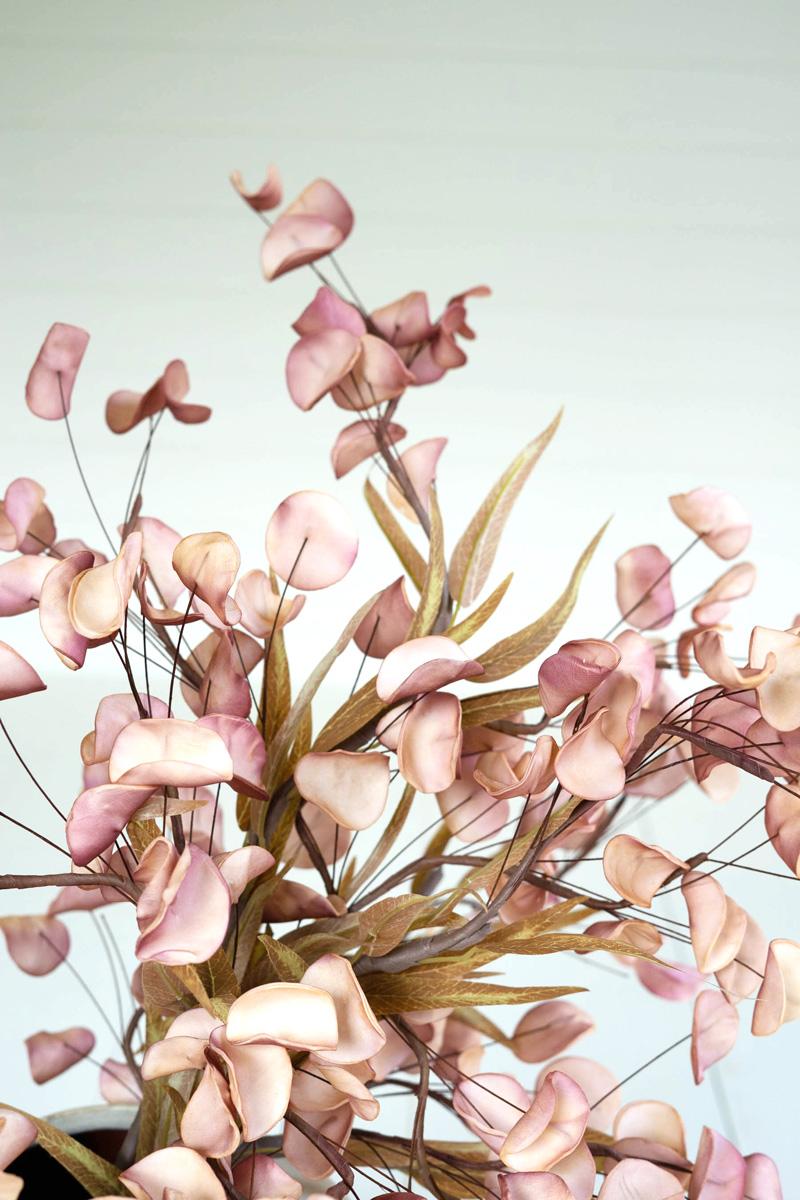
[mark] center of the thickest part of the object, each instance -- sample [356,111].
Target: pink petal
[719,1170]
[17,676]
[358,442]
[596,1082]
[644,590]
[177,1168]
[158,546]
[69,645]
[332,839]
[313,225]
[21,582]
[588,764]
[743,976]
[635,1179]
[318,362]
[16,1134]
[782,823]
[670,982]
[762,1181]
[490,1105]
[260,604]
[311,541]
[261,1177]
[470,812]
[378,374]
[404,322]
[303,1155]
[522,1185]
[716,924]
[48,392]
[49,1054]
[652,1121]
[113,714]
[98,597]
[185,919]
[118,1084]
[23,500]
[575,670]
[329,311]
[296,1015]
[240,867]
[268,196]
[359,1033]
[637,871]
[387,623]
[37,944]
[778,999]
[429,745]
[291,901]
[352,788]
[224,690]
[717,517]
[420,463]
[167,751]
[709,650]
[250,1068]
[184,1046]
[423,665]
[548,1029]
[551,1128]
[99,815]
[640,934]
[714,607]
[207,1124]
[531,776]
[246,748]
[715,1027]
[207,564]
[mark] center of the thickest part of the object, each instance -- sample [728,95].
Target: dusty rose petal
[16,1134]
[782,823]
[118,1084]
[113,714]
[548,1029]
[640,934]
[709,650]
[644,590]
[387,623]
[575,670]
[635,870]
[716,924]
[17,676]
[551,1128]
[589,764]
[715,516]
[359,1033]
[183,919]
[48,392]
[778,999]
[37,944]
[21,581]
[26,523]
[242,866]
[762,1179]
[420,463]
[332,839]
[303,1154]
[291,901]
[737,581]
[99,815]
[544,1185]
[184,1046]
[167,751]
[177,1168]
[352,788]
[318,362]
[206,564]
[719,1169]
[49,1054]
[158,546]
[635,1179]
[311,541]
[207,1124]
[314,224]
[597,1083]
[743,976]
[715,1027]
[250,1069]
[224,689]
[296,1015]
[653,1121]
[125,409]
[490,1105]
[379,374]
[78,899]
[673,981]
[329,311]
[260,604]
[531,775]
[404,322]
[470,812]
[261,1177]
[423,665]
[358,442]
[268,196]
[429,744]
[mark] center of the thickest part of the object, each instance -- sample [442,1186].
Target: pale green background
[625,176]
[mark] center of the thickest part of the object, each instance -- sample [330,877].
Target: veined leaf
[384,924]
[250,921]
[475,1019]
[422,988]
[410,557]
[218,978]
[361,708]
[556,943]
[477,619]
[287,965]
[495,706]
[430,600]
[522,647]
[99,1177]
[387,839]
[172,990]
[474,553]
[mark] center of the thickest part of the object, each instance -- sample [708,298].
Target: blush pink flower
[48,392]
[716,517]
[313,225]
[125,410]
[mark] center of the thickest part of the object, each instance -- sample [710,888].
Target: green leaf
[410,557]
[99,1177]
[477,619]
[430,601]
[287,965]
[495,706]
[520,648]
[475,551]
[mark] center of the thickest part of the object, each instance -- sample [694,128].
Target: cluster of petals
[126,409]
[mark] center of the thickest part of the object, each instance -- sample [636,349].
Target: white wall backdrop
[624,175]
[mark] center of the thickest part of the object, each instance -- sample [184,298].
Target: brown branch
[418,1149]
[325,1146]
[69,879]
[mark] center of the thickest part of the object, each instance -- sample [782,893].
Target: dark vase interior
[45,1178]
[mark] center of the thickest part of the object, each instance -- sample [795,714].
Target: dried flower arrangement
[271,1016]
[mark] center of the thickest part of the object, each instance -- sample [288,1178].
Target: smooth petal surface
[387,623]
[778,999]
[69,645]
[311,541]
[246,748]
[242,866]
[48,392]
[779,692]
[782,823]
[522,1185]
[716,924]
[596,1082]
[429,744]
[184,919]
[550,1129]
[531,775]
[352,788]
[635,870]
[261,1177]
[17,676]
[635,1179]
[268,196]
[260,1079]
[261,606]
[420,463]
[160,751]
[719,1170]
[575,670]
[644,589]
[548,1029]
[329,311]
[318,362]
[589,764]
[49,1054]
[303,1155]
[16,1134]
[715,1027]
[313,225]
[37,944]
[423,665]
[737,581]
[207,1124]
[99,815]
[358,442]
[296,1015]
[715,516]
[762,1180]
[118,1084]
[207,563]
[178,1168]
[378,375]
[359,1033]
[21,581]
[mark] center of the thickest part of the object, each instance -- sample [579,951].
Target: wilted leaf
[99,1177]
[430,600]
[477,619]
[287,965]
[141,834]
[495,706]
[475,551]
[410,557]
[384,924]
[520,648]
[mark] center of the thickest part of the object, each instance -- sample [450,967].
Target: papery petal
[652,1121]
[268,196]
[260,1079]
[359,1032]
[737,581]
[291,901]
[404,322]
[470,812]
[719,1169]
[246,748]
[716,924]
[240,867]
[303,1155]
[522,1185]
[743,975]
[17,676]
[548,1029]
[640,934]
[762,1181]
[429,745]
[98,597]
[318,362]
[551,1128]
[709,650]
[420,463]
[118,1084]
[207,1124]
[158,546]
[261,1177]
[16,1134]
[167,751]
[588,764]
[22,503]
[311,541]
[637,871]
[178,1168]
[99,815]
[672,981]
[358,442]
[531,776]
[778,999]
[21,581]
[329,311]
[350,787]
[313,225]
[779,692]
[423,665]
[296,1015]
[388,622]
[378,374]
[635,1179]
[575,670]
[332,839]
[782,823]
[49,1054]
[191,918]
[715,1027]
[715,516]
[207,564]
[595,1081]
[37,944]
[260,604]
[490,1105]
[48,392]
[644,590]
[69,645]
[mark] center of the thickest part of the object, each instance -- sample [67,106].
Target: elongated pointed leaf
[430,600]
[287,965]
[445,987]
[358,711]
[520,648]
[497,706]
[477,619]
[410,557]
[99,1177]
[475,551]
